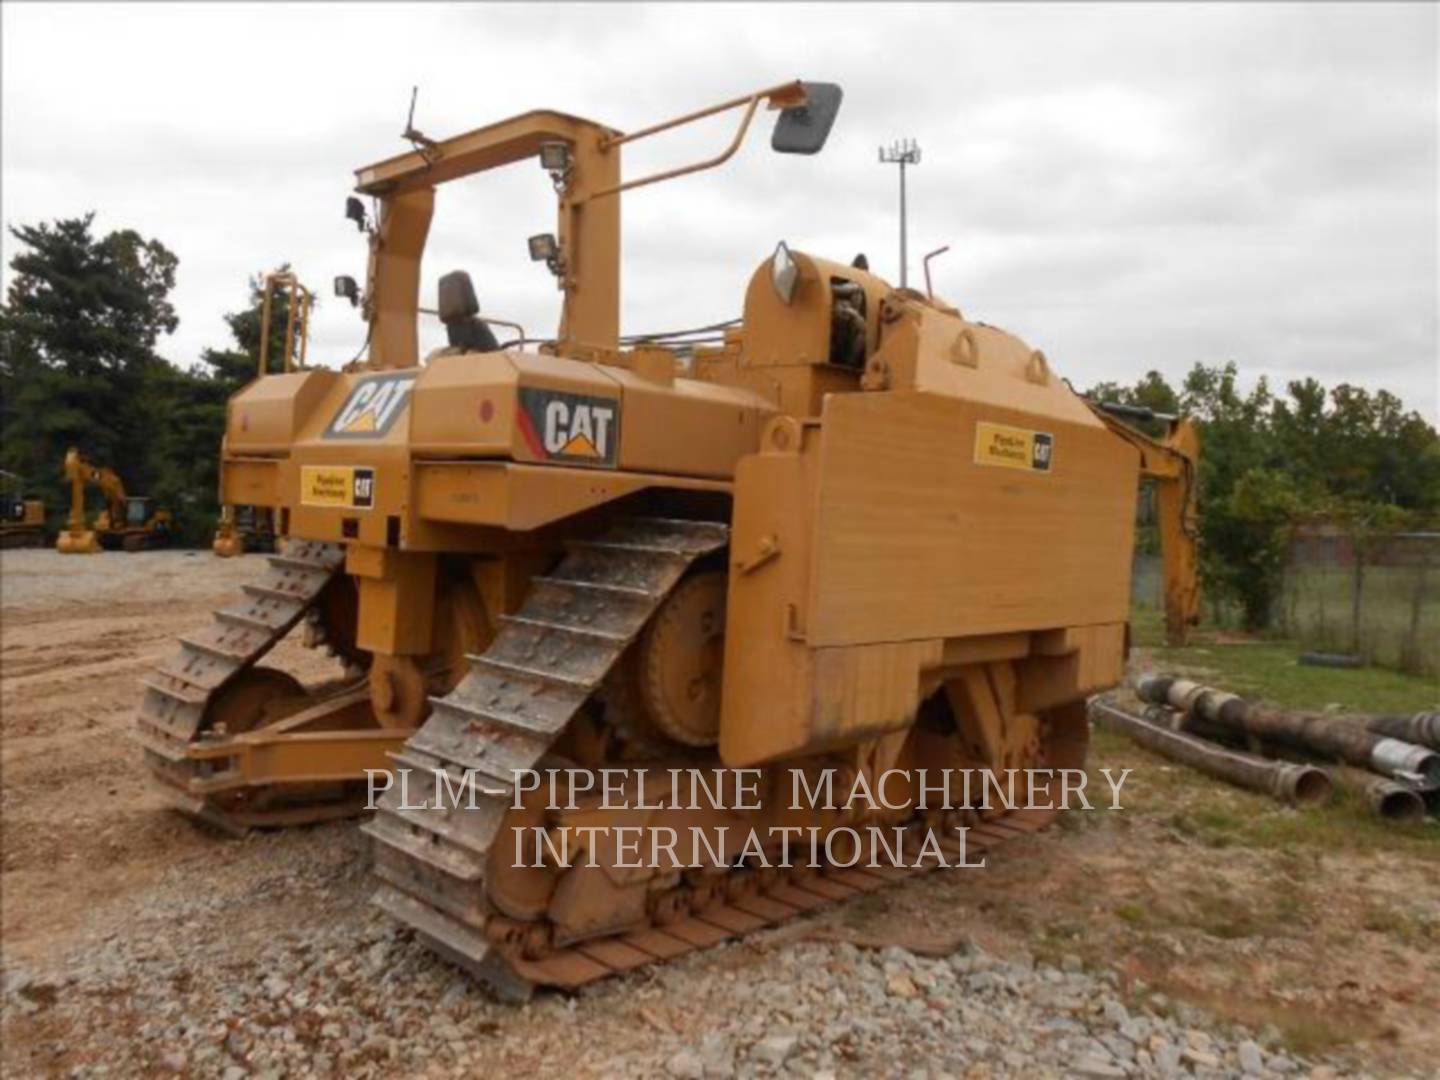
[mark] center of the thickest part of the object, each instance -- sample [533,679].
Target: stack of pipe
[1390,761]
[1282,780]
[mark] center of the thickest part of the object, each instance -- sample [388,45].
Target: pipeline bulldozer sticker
[348,486]
[1012,447]
[580,429]
[372,407]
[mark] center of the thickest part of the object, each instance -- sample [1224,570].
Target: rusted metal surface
[1339,737]
[1386,798]
[1421,728]
[1281,780]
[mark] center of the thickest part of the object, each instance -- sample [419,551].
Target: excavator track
[507,713]
[178,691]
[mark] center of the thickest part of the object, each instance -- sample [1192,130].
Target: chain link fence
[1381,603]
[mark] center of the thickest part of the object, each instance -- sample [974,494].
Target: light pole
[901,152]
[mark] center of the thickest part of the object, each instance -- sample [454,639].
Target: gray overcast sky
[1125,187]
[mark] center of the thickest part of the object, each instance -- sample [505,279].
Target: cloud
[1125,186]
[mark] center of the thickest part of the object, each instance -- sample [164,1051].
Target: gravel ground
[360,999]
[38,579]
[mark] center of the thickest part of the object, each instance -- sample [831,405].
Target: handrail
[777,96]
[300,299]
[929,289]
[489,319]
[794,88]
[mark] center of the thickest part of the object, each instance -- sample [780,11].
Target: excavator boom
[1171,461]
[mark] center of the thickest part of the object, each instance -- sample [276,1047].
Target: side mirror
[346,289]
[803,129]
[355,211]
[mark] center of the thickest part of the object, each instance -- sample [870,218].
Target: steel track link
[512,705]
[180,688]
[506,713]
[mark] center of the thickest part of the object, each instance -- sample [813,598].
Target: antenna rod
[902,152]
[422,142]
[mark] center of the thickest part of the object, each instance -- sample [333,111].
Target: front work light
[346,289]
[784,273]
[543,248]
[554,156]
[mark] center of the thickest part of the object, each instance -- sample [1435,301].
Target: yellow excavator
[127,523]
[248,527]
[22,520]
[1169,462]
[244,528]
[852,534]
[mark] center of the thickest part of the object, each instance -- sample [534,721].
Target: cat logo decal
[579,429]
[372,407]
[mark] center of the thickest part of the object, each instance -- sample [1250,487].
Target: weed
[1132,913]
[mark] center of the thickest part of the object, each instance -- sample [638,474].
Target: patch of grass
[1271,671]
[1276,909]
[1132,913]
[1404,927]
[1316,609]
[1147,627]
[1312,1035]
[1208,812]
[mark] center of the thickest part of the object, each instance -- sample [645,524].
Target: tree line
[1271,462]
[79,365]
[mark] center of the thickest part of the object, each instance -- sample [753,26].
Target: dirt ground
[1336,952]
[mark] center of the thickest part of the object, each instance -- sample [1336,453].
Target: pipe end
[1312,787]
[1398,804]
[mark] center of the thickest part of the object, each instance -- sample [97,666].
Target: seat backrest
[459,307]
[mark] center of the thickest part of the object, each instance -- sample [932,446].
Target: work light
[543,248]
[784,272]
[554,156]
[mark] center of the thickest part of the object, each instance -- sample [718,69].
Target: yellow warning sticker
[1013,447]
[348,486]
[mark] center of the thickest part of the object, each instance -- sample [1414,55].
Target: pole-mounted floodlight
[901,152]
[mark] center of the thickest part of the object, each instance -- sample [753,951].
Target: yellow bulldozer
[127,523]
[852,532]
[22,520]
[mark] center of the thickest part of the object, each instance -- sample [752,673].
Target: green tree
[1344,455]
[1250,532]
[78,332]
[1154,393]
[195,407]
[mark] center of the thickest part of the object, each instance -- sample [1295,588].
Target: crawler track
[178,691]
[513,704]
[506,714]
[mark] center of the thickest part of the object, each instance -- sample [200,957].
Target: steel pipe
[1281,780]
[1340,737]
[1386,798]
[1421,728]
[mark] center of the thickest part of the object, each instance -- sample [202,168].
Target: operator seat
[458,309]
